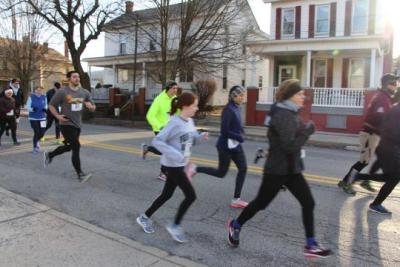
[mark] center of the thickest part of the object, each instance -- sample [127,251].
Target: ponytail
[185,99]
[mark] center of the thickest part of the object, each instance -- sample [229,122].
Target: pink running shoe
[237,203]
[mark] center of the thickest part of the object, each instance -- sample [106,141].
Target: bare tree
[79,22]
[21,32]
[201,34]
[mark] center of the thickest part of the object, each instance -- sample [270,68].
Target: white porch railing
[324,97]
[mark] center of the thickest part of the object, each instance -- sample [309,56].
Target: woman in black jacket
[287,134]
[8,114]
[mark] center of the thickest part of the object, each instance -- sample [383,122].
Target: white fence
[324,97]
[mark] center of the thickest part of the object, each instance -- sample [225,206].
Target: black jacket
[7,105]
[287,134]
[388,151]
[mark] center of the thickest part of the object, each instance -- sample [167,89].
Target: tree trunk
[76,62]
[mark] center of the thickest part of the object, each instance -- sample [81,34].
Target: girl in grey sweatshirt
[174,142]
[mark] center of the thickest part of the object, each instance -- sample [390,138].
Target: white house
[338,49]
[120,45]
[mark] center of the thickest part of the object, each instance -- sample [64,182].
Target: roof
[152,13]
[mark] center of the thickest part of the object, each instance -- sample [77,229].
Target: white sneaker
[238,203]
[146,223]
[177,233]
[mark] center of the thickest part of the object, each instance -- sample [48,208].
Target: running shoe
[35,150]
[379,209]
[145,150]
[16,143]
[367,186]
[46,159]
[58,142]
[237,203]
[177,233]
[259,155]
[146,223]
[233,234]
[347,188]
[162,177]
[317,251]
[190,171]
[83,177]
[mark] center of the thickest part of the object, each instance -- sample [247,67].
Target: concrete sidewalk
[35,235]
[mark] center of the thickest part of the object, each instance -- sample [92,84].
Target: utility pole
[134,67]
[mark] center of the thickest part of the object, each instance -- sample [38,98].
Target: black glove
[33,109]
[310,127]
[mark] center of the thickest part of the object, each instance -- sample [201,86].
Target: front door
[286,72]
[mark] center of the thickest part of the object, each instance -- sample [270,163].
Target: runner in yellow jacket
[158,116]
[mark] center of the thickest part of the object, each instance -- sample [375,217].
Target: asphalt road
[124,185]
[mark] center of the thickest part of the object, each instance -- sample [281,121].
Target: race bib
[187,152]
[43,124]
[76,107]
[11,113]
[232,143]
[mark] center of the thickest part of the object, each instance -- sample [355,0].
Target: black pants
[38,132]
[224,160]
[175,177]
[71,142]
[390,180]
[270,187]
[11,124]
[50,120]
[154,150]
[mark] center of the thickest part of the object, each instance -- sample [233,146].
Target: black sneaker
[259,155]
[379,209]
[233,234]
[7,133]
[144,151]
[83,177]
[16,143]
[46,159]
[316,251]
[347,188]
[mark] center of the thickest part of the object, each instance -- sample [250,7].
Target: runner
[284,166]
[50,117]
[388,153]
[229,145]
[71,99]
[174,142]
[158,116]
[37,108]
[370,133]
[7,115]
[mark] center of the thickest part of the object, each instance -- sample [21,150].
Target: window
[322,19]
[224,77]
[122,43]
[356,79]
[186,76]
[152,46]
[288,20]
[123,76]
[320,71]
[243,77]
[360,16]
[260,81]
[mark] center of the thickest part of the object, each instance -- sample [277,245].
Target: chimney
[66,50]
[128,7]
[45,47]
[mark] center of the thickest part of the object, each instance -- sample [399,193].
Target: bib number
[76,107]
[43,124]
[187,151]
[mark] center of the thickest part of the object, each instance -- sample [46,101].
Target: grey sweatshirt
[176,140]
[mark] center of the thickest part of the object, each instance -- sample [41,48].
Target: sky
[262,13]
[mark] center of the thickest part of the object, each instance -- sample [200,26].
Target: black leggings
[38,132]
[71,142]
[390,180]
[50,120]
[9,123]
[270,187]
[224,160]
[175,177]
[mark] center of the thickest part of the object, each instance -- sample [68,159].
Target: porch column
[144,74]
[372,69]
[271,71]
[90,74]
[115,78]
[253,73]
[308,77]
